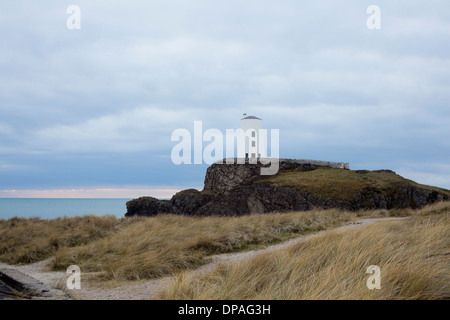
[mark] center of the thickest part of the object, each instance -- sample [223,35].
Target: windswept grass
[413,255]
[30,240]
[143,248]
[162,245]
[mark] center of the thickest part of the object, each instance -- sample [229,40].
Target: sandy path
[150,288]
[239,256]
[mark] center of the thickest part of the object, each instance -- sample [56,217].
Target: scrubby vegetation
[161,245]
[412,253]
[29,240]
[413,256]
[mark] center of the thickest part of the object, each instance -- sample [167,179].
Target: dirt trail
[149,289]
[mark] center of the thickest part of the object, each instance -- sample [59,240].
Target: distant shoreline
[52,208]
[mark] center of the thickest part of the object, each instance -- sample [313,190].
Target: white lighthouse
[254,143]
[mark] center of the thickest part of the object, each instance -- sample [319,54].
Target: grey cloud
[136,70]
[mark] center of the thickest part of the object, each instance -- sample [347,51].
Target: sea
[46,208]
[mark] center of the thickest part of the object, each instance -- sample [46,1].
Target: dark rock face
[189,201]
[147,206]
[223,178]
[403,197]
[234,189]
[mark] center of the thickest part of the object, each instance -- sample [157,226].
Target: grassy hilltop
[345,185]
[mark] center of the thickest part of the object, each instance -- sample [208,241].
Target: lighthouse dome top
[250,117]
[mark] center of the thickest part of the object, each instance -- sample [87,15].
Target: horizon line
[89,193]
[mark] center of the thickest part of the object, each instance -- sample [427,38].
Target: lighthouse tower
[254,145]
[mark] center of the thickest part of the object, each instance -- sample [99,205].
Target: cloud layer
[96,106]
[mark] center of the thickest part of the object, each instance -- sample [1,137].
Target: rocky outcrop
[189,201]
[186,202]
[147,206]
[237,189]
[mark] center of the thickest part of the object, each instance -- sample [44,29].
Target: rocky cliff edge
[299,185]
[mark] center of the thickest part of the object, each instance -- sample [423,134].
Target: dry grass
[342,184]
[153,247]
[413,254]
[30,240]
[143,248]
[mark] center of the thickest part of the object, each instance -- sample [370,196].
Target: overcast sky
[90,112]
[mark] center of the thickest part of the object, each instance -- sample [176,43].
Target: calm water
[54,208]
